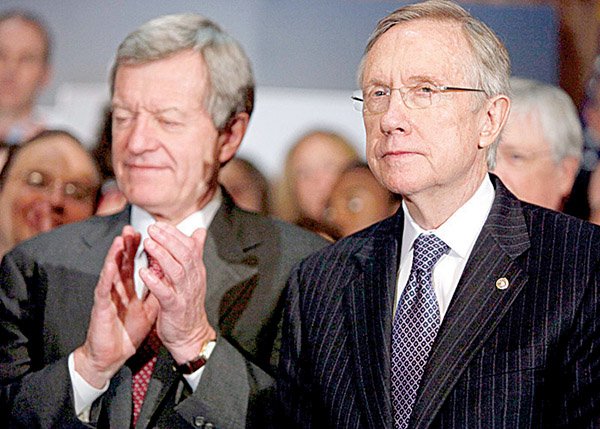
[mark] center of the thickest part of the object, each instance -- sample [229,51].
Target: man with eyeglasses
[468,308]
[541,145]
[48,181]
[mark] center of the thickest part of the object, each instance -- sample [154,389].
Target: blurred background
[305,55]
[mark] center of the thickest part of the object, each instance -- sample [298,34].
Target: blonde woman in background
[312,166]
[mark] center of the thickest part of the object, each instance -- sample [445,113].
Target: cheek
[303,192]
[19,207]
[22,201]
[75,212]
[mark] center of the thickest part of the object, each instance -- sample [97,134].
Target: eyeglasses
[45,183]
[375,99]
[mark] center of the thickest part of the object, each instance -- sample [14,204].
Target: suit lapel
[232,269]
[101,238]
[369,300]
[477,306]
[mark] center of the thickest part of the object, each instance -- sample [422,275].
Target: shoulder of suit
[552,232]
[269,229]
[344,249]
[69,235]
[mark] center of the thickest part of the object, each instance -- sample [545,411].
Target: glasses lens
[77,191]
[377,99]
[36,179]
[419,97]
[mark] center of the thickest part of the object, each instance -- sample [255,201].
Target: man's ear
[231,136]
[493,119]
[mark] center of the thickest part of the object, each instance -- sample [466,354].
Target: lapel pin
[502,283]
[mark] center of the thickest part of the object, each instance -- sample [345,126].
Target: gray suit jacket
[46,295]
[524,357]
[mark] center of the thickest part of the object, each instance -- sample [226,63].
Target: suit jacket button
[199,421]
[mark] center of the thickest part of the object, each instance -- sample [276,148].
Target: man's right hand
[120,320]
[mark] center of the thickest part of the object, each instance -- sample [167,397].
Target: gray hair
[556,112]
[231,79]
[37,22]
[490,69]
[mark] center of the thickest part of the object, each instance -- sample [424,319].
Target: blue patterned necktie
[415,326]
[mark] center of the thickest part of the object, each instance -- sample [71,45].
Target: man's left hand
[182,324]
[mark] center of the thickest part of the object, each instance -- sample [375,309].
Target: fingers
[158,288]
[176,253]
[110,269]
[151,306]
[116,278]
[178,246]
[131,241]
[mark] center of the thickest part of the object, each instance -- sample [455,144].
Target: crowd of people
[160,280]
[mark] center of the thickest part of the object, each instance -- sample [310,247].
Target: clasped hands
[120,320]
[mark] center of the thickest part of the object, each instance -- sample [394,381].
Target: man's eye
[380,93]
[121,119]
[168,122]
[423,89]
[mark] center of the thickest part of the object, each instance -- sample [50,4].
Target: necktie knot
[428,249]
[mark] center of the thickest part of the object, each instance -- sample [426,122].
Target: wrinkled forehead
[424,49]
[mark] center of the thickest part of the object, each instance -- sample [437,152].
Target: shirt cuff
[84,394]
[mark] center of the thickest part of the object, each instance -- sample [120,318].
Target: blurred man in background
[541,145]
[48,181]
[24,73]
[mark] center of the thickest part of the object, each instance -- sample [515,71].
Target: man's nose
[397,116]
[56,196]
[141,137]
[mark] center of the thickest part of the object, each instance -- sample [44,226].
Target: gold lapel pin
[502,283]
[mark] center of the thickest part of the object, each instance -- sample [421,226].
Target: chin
[145,201]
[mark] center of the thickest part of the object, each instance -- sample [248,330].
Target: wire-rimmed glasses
[45,183]
[375,99]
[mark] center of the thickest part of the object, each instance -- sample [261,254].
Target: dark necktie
[145,356]
[415,326]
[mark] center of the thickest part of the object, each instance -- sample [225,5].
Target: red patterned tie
[147,355]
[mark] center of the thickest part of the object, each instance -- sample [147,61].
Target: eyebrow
[154,112]
[410,80]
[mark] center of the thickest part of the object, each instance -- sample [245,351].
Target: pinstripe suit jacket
[526,356]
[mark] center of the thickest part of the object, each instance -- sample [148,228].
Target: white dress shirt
[459,232]
[84,393]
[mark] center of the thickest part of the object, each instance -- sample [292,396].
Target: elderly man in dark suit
[468,308]
[166,314]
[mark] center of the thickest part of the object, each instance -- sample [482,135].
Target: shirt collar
[461,229]
[141,219]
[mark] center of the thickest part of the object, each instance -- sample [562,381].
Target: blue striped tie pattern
[416,323]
